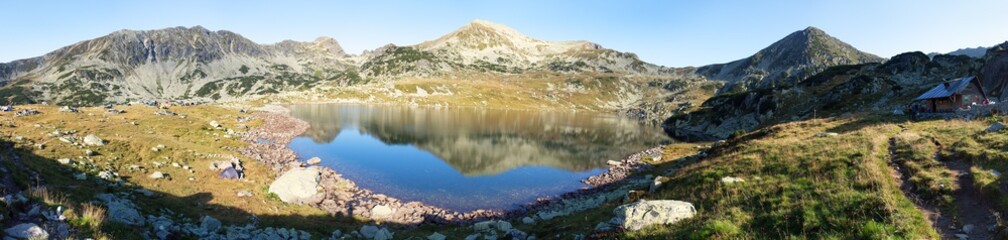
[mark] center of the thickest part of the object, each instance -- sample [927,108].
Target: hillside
[175,63]
[786,62]
[196,64]
[839,90]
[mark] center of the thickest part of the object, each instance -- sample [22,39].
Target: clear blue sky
[671,33]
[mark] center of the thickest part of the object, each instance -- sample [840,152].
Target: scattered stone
[107,175]
[296,185]
[998,126]
[121,210]
[633,196]
[961,236]
[503,226]
[214,124]
[245,193]
[897,112]
[383,234]
[643,213]
[730,180]
[613,162]
[176,164]
[528,220]
[88,152]
[381,212]
[314,161]
[827,134]
[368,231]
[27,231]
[657,183]
[145,192]
[967,228]
[64,161]
[93,140]
[209,224]
[80,176]
[157,175]
[436,236]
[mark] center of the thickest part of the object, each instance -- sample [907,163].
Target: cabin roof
[941,91]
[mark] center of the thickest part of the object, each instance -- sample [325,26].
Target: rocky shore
[338,195]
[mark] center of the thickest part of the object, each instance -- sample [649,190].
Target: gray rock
[657,183]
[245,193]
[997,126]
[368,231]
[27,231]
[503,226]
[383,234]
[93,140]
[107,175]
[967,228]
[145,192]
[962,236]
[827,134]
[209,224]
[643,213]
[730,180]
[314,161]
[64,161]
[121,210]
[436,236]
[157,175]
[528,220]
[80,176]
[296,185]
[381,212]
[214,124]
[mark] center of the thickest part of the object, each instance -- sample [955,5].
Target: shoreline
[342,196]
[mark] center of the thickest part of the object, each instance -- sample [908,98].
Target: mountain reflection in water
[463,158]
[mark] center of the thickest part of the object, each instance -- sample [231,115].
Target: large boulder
[296,185]
[121,210]
[27,231]
[93,140]
[643,213]
[381,212]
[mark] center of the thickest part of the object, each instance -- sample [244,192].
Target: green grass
[931,179]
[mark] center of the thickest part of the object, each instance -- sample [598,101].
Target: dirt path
[971,209]
[932,214]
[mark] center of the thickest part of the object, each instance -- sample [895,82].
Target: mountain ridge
[786,61]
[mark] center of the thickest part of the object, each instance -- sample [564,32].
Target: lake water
[465,159]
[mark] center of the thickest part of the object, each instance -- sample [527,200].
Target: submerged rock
[643,213]
[296,185]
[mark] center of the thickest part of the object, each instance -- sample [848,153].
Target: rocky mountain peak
[795,57]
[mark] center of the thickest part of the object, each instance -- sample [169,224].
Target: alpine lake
[465,159]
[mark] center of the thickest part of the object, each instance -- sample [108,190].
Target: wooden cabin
[950,96]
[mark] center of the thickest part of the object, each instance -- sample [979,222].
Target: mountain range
[203,65]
